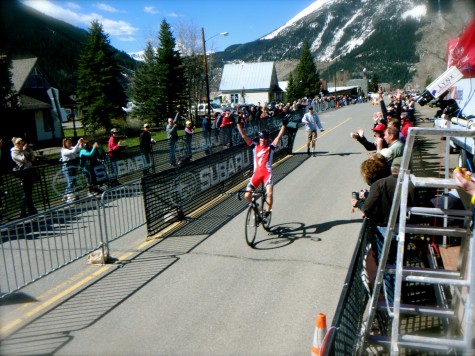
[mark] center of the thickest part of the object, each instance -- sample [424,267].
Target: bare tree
[189,44]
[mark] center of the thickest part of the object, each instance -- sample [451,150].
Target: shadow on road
[285,234]
[52,330]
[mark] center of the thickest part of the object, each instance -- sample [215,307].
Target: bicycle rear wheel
[251,226]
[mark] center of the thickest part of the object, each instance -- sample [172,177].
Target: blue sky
[130,23]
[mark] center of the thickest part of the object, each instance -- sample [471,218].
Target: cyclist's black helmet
[264,134]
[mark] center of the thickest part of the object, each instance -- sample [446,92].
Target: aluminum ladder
[463,278]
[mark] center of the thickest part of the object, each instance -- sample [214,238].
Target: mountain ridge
[402,42]
[385,37]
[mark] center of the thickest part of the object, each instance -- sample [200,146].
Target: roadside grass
[133,139]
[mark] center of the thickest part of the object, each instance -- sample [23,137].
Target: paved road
[202,290]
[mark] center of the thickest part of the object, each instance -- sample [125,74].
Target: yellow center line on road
[84,277]
[326,131]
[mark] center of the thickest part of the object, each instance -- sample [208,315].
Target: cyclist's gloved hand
[285,121]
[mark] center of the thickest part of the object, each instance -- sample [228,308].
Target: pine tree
[160,84]
[100,94]
[8,95]
[373,86]
[290,92]
[145,85]
[170,72]
[307,79]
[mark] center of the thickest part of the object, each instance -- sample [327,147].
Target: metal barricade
[36,246]
[33,247]
[122,210]
[344,334]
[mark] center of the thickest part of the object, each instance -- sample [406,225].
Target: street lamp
[364,83]
[206,63]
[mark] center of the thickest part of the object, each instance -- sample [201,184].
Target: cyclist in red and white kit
[263,152]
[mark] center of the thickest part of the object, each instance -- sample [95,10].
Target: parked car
[202,109]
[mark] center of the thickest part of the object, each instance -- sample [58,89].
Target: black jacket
[377,206]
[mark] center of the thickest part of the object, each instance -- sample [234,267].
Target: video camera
[439,87]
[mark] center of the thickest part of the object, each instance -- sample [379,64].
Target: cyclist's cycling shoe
[264,218]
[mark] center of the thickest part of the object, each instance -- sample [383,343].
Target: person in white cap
[23,156]
[69,157]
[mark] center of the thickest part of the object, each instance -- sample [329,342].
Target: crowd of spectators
[381,169]
[85,155]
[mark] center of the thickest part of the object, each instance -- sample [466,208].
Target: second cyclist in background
[263,154]
[311,121]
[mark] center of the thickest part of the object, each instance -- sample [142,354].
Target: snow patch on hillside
[314,7]
[318,41]
[138,56]
[330,51]
[417,12]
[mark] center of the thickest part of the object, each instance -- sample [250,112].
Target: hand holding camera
[356,197]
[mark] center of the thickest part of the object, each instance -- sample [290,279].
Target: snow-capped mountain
[328,22]
[385,36]
[138,56]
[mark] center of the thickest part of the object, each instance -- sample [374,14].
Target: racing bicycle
[255,215]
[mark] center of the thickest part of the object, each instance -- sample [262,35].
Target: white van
[203,109]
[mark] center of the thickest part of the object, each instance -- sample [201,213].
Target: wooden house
[39,117]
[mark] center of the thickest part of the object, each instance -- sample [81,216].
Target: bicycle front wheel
[251,226]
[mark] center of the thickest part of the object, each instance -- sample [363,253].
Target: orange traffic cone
[319,336]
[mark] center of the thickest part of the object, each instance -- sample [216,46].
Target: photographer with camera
[376,206]
[23,156]
[69,157]
[90,156]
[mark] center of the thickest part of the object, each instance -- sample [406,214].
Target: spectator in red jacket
[113,145]
[405,124]
[226,128]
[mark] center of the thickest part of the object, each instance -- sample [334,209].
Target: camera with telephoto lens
[424,98]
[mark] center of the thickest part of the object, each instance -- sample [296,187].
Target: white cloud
[118,28]
[126,39]
[174,14]
[105,7]
[55,11]
[112,27]
[151,10]
[73,6]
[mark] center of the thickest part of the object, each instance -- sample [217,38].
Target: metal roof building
[250,83]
